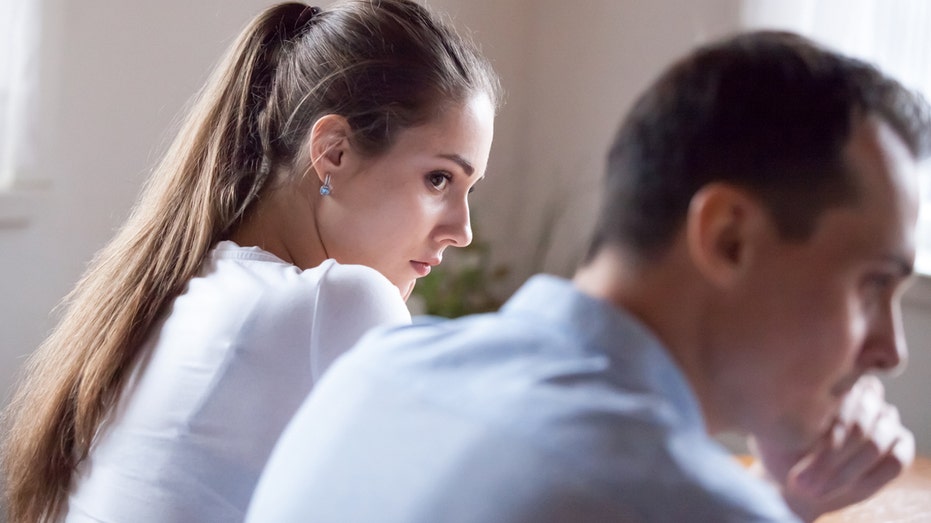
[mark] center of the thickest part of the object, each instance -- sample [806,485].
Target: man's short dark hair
[766,111]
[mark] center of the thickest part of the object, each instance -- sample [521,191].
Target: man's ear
[329,145]
[723,227]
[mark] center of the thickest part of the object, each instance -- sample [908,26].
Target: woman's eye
[438,180]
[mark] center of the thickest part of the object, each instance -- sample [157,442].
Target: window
[19,72]
[896,36]
[20,40]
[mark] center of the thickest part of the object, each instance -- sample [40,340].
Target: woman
[323,169]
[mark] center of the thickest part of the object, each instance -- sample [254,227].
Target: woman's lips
[421,268]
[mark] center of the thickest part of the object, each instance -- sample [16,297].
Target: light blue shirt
[559,408]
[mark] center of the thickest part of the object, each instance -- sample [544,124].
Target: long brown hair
[385,65]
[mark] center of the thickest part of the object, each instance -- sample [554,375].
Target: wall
[909,391]
[585,66]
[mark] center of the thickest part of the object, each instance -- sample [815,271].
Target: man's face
[818,314]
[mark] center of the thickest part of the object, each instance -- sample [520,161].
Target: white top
[218,379]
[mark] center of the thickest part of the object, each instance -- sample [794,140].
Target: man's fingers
[904,449]
[865,433]
[877,461]
[863,404]
[882,473]
[872,448]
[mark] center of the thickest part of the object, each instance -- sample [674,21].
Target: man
[756,232]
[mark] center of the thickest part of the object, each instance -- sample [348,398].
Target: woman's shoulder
[356,283]
[350,276]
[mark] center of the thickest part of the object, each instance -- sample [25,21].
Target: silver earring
[325,189]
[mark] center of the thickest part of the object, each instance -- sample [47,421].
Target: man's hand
[866,447]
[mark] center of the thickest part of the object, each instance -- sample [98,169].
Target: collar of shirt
[638,359]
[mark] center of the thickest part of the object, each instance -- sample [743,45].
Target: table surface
[906,499]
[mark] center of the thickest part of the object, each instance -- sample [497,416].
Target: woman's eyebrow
[466,166]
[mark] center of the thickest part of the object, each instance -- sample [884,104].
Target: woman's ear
[723,227]
[329,145]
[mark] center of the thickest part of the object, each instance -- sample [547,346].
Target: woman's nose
[455,228]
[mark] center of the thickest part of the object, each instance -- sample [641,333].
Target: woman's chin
[406,289]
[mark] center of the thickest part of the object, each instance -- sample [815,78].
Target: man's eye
[880,281]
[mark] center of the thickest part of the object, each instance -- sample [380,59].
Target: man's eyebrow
[466,166]
[906,268]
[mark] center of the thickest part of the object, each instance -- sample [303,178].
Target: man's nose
[886,349]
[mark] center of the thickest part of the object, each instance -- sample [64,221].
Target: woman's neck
[282,221]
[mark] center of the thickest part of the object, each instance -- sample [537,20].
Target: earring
[325,189]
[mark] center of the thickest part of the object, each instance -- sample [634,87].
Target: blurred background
[95,88]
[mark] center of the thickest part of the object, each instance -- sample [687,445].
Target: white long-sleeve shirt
[218,379]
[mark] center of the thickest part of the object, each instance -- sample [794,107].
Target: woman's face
[398,212]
